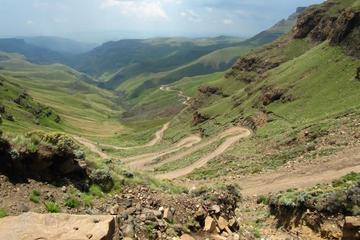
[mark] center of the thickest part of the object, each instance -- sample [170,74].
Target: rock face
[199,118]
[307,22]
[56,156]
[347,21]
[32,226]
[210,90]
[341,29]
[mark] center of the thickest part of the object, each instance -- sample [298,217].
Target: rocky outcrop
[253,64]
[30,226]
[54,156]
[317,24]
[270,95]
[307,22]
[209,90]
[347,21]
[199,118]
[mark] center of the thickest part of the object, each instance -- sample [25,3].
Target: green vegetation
[72,202]
[87,199]
[52,207]
[96,191]
[318,96]
[35,196]
[3,213]
[342,196]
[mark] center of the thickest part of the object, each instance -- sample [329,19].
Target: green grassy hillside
[77,107]
[294,85]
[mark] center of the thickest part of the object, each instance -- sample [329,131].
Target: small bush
[3,213]
[263,200]
[87,200]
[102,178]
[35,196]
[72,202]
[52,207]
[96,191]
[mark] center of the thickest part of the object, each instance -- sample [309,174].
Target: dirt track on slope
[204,160]
[324,170]
[320,170]
[157,138]
[92,147]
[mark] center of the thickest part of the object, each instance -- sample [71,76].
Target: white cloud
[191,15]
[30,22]
[209,9]
[228,21]
[144,9]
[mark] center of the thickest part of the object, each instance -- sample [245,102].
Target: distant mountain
[127,58]
[216,61]
[61,45]
[279,29]
[33,53]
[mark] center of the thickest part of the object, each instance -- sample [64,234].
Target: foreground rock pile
[146,214]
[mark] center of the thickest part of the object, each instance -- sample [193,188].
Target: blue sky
[96,20]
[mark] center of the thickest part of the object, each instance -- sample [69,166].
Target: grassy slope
[83,108]
[198,70]
[321,80]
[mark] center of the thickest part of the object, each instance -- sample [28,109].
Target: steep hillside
[53,98]
[296,93]
[135,89]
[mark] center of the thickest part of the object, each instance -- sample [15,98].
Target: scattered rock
[128,231]
[216,209]
[222,223]
[186,237]
[210,224]
[168,215]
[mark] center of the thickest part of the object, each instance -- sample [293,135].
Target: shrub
[52,207]
[87,199]
[72,202]
[35,196]
[96,191]
[102,178]
[262,200]
[3,213]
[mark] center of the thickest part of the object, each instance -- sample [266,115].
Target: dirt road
[92,147]
[204,160]
[321,170]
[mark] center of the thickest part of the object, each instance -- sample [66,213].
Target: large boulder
[30,226]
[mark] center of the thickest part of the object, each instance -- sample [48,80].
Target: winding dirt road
[204,160]
[325,169]
[320,170]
